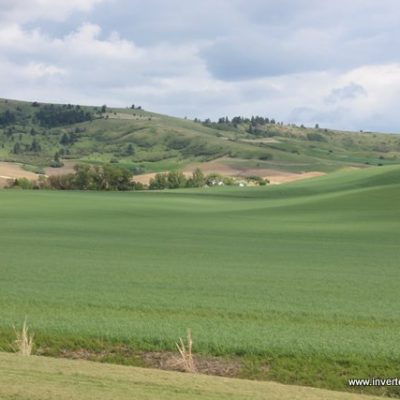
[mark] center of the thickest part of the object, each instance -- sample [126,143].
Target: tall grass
[185,351]
[24,341]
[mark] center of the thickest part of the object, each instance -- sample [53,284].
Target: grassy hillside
[143,141]
[302,277]
[44,378]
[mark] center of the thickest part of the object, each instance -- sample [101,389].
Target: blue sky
[301,61]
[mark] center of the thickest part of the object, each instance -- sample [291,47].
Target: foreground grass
[39,378]
[302,278]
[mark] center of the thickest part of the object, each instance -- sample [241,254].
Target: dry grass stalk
[24,341]
[186,353]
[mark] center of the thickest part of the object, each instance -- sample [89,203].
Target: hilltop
[40,136]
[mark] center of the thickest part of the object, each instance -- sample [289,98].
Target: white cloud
[38,70]
[92,67]
[362,98]
[350,91]
[22,11]
[305,64]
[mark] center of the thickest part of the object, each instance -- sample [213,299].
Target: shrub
[170,180]
[228,180]
[197,180]
[56,164]
[316,137]
[23,183]
[257,179]
[265,157]
[158,182]
[176,180]
[214,179]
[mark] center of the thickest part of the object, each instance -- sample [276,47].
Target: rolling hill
[282,281]
[43,135]
[297,283]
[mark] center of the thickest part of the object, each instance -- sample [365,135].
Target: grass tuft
[185,351]
[24,341]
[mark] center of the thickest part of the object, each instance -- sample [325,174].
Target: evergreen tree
[17,148]
[35,146]
[130,151]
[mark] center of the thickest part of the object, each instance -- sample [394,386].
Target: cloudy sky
[302,61]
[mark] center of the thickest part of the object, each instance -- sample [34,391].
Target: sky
[298,61]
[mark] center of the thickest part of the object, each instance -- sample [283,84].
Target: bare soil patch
[205,365]
[165,360]
[9,170]
[3,182]
[279,177]
[144,178]
[274,176]
[66,169]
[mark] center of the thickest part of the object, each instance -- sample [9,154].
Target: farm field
[293,280]
[43,378]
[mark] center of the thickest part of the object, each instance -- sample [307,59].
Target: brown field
[66,169]
[219,166]
[279,177]
[13,171]
[10,170]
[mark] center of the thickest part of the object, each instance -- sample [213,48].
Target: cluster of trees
[236,121]
[176,180]
[7,117]
[50,115]
[68,138]
[127,150]
[34,147]
[57,163]
[85,177]
[111,177]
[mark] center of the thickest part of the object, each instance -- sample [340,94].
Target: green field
[304,276]
[39,378]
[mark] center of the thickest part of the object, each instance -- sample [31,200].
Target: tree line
[84,177]
[109,177]
[236,121]
[50,116]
